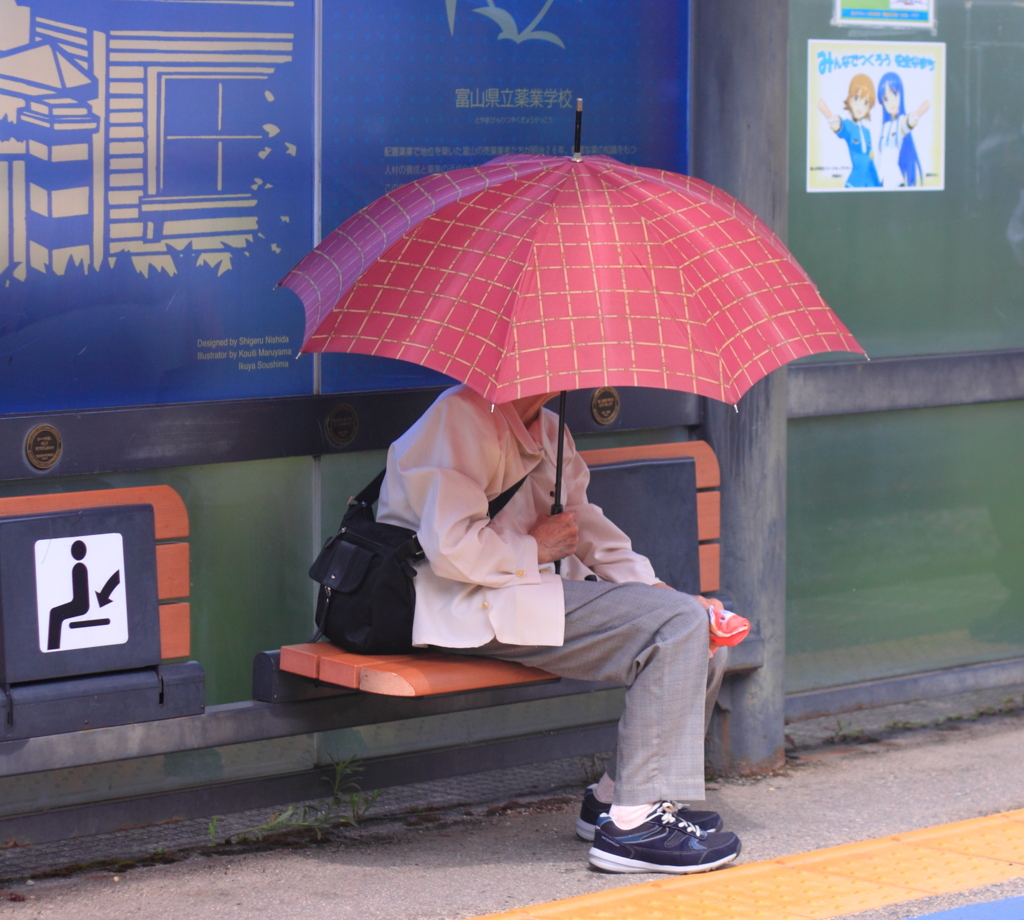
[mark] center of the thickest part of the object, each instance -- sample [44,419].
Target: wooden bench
[433,673]
[171,530]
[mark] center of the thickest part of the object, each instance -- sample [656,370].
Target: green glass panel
[927,271]
[277,756]
[251,544]
[471,727]
[905,543]
[341,477]
[50,789]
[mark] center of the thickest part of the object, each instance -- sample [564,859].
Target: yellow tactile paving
[818,885]
[792,892]
[950,830]
[1003,837]
[931,871]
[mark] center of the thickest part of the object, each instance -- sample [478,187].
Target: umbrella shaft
[556,506]
[576,155]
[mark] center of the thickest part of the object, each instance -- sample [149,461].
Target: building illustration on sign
[131,144]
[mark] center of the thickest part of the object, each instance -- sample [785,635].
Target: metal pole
[738,123]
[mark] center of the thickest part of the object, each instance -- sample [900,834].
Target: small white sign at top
[80,592]
[904,14]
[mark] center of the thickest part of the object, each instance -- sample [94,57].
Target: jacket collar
[527,441]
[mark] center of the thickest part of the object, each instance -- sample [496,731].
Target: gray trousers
[655,643]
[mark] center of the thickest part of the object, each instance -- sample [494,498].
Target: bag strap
[494,507]
[372,492]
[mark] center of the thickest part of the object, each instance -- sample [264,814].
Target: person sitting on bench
[489,588]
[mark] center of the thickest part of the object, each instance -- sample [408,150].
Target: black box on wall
[78,594]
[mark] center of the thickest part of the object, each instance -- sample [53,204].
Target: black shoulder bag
[365,572]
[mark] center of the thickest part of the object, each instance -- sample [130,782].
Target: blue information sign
[155,182]
[157,165]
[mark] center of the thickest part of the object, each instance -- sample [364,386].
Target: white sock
[627,817]
[604,790]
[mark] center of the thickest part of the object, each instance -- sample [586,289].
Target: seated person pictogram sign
[78,594]
[70,615]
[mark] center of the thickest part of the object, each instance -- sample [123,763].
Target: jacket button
[485,605]
[520,573]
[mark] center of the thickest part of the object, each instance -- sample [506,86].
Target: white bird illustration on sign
[507,22]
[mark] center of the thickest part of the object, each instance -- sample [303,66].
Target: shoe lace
[666,813]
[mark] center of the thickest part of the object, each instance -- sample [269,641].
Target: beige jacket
[481,579]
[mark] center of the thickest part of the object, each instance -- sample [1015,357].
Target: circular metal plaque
[43,446]
[604,405]
[342,425]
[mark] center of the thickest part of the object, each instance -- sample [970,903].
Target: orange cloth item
[727,628]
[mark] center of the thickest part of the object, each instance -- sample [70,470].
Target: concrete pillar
[738,124]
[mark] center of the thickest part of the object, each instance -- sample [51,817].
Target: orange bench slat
[172,571]
[434,674]
[710,566]
[347,669]
[303,659]
[709,515]
[175,631]
[307,659]
[709,475]
[422,674]
[170,517]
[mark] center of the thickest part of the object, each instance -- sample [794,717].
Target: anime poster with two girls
[876,116]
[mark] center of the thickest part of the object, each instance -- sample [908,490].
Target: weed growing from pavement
[902,725]
[157,858]
[1009,705]
[841,736]
[345,808]
[843,733]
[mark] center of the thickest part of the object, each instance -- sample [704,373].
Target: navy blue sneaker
[663,843]
[592,809]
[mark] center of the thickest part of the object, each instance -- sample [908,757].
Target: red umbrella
[533,274]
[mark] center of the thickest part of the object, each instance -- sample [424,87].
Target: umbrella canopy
[535,274]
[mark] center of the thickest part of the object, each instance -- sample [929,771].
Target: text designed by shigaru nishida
[252,353]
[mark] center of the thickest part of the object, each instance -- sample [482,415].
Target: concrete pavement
[450,864]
